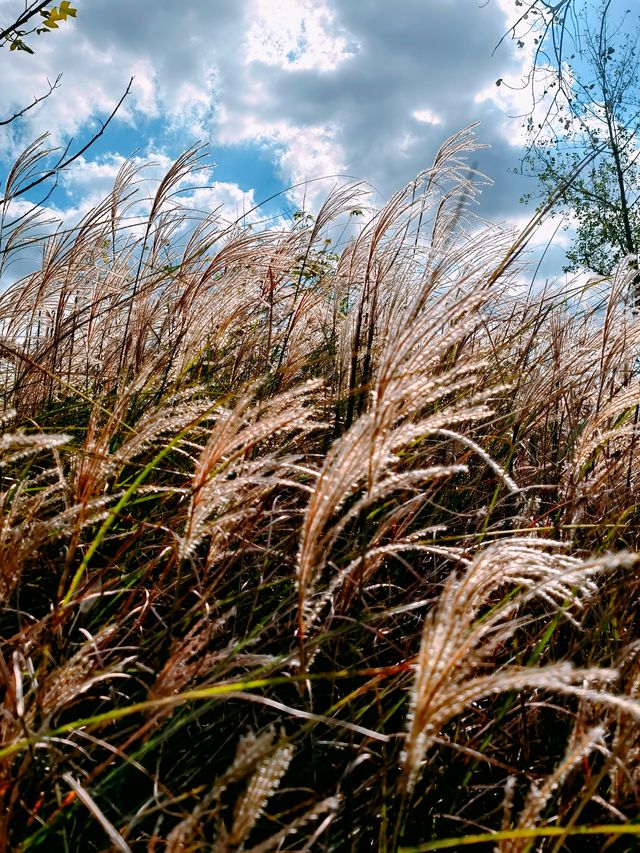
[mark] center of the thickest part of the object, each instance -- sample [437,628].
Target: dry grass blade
[83,795]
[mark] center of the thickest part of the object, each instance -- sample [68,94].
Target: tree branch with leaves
[49,17]
[589,107]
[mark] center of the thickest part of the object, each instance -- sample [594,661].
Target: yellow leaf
[67,9]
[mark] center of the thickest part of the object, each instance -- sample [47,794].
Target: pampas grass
[311,544]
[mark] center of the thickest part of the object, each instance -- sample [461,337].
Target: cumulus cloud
[323,87]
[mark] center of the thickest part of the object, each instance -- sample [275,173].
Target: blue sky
[280,91]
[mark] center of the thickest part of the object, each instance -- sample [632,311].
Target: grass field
[313,545]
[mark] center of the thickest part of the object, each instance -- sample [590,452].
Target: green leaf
[18,44]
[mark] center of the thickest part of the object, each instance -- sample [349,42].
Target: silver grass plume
[454,665]
[580,747]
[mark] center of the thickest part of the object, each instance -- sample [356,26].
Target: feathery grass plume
[262,784]
[91,664]
[411,378]
[599,466]
[157,230]
[625,772]
[31,502]
[453,667]
[111,445]
[310,267]
[363,459]
[540,794]
[23,226]
[228,471]
[190,657]
[263,759]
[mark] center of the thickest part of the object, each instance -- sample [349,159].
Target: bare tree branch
[35,101]
[65,162]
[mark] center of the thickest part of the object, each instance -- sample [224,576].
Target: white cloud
[426,116]
[233,203]
[296,35]
[324,87]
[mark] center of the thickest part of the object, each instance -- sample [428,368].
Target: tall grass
[314,548]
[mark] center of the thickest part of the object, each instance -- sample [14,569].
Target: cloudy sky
[282,91]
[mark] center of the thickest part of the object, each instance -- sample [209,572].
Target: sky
[282,92]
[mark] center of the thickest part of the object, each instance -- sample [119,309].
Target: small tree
[595,114]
